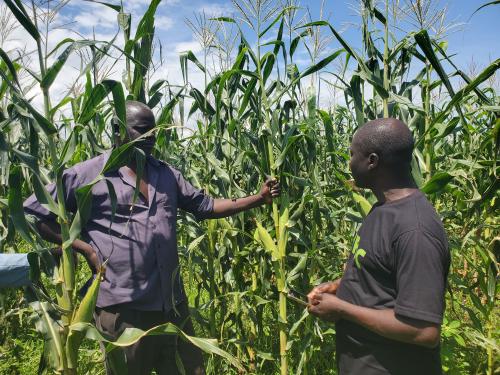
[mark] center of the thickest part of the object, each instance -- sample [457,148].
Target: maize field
[256,113]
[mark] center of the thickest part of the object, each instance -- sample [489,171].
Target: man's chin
[358,185]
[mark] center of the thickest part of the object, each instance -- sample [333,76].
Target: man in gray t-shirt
[142,284]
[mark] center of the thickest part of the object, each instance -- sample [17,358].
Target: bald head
[139,115]
[389,138]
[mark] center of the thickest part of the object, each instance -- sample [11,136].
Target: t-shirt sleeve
[70,183]
[193,200]
[421,270]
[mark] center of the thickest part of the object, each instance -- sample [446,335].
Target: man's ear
[117,139]
[115,122]
[373,160]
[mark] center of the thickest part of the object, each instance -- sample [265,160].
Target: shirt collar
[151,160]
[152,177]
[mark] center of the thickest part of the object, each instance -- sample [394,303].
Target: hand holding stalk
[270,189]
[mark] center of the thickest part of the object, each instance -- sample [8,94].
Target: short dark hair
[390,139]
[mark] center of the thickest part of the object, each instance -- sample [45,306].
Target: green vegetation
[258,115]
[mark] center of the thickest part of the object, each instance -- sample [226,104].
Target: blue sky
[475,39]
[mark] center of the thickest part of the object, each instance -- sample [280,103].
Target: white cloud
[192,45]
[217,9]
[13,44]
[98,18]
[164,22]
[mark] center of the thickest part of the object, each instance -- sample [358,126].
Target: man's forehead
[355,140]
[140,118]
[140,125]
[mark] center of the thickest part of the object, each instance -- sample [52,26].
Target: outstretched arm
[383,322]
[227,207]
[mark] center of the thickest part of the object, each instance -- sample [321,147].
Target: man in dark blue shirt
[389,304]
[142,284]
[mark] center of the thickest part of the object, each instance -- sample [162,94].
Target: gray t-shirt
[400,261]
[140,241]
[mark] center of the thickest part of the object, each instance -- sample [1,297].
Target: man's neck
[132,165]
[390,189]
[132,169]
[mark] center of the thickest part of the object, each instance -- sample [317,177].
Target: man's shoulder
[166,167]
[88,169]
[413,213]
[424,218]
[90,164]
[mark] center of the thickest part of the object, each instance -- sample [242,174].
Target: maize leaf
[263,236]
[363,204]
[82,315]
[132,335]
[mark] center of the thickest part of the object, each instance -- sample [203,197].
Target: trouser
[157,353]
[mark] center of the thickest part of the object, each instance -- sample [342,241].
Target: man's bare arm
[228,207]
[383,322]
[51,231]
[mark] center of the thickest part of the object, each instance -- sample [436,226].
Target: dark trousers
[151,352]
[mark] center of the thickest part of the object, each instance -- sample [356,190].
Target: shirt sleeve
[33,207]
[193,200]
[422,263]
[14,270]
